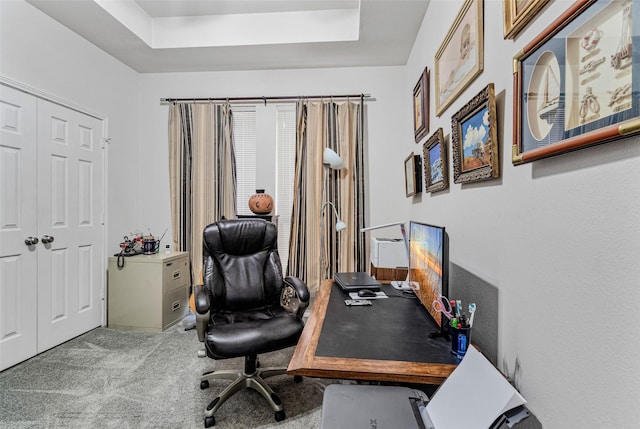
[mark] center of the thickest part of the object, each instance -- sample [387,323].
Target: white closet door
[69,213]
[18,203]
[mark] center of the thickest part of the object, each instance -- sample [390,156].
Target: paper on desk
[473,396]
[354,295]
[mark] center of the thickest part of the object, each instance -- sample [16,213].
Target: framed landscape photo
[474,139]
[412,179]
[421,106]
[436,171]
[518,13]
[460,58]
[577,83]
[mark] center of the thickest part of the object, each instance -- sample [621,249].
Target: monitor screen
[429,265]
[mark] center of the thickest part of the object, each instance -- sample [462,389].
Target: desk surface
[388,341]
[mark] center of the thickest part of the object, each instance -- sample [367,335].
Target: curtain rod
[260,99]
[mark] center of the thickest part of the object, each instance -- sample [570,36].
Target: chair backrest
[241,264]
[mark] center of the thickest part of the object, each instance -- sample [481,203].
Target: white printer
[388,253]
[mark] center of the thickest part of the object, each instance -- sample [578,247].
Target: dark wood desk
[388,341]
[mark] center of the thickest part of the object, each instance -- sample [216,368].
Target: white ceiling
[155,36]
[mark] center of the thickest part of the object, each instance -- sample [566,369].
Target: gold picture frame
[575,84]
[474,139]
[518,13]
[460,58]
[421,106]
[436,169]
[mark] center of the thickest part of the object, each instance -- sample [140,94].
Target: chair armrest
[301,295]
[201,299]
[299,286]
[201,303]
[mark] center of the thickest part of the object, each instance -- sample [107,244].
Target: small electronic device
[356,302]
[366,293]
[354,281]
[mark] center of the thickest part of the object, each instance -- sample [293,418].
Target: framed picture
[421,106]
[518,13]
[436,171]
[577,83]
[474,139]
[412,179]
[459,59]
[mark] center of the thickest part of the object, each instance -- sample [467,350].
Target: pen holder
[460,340]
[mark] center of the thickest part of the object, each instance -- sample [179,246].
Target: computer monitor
[429,266]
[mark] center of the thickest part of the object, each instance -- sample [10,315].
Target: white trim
[49,97]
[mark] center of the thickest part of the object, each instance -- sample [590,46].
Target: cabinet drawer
[175,274]
[174,306]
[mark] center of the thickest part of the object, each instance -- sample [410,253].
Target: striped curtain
[202,174]
[338,126]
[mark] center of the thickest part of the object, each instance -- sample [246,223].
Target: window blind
[244,139]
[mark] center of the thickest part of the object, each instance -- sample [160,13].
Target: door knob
[29,241]
[46,239]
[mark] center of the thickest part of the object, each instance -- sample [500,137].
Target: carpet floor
[124,379]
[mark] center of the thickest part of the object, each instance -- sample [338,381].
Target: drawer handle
[175,306]
[176,274]
[168,264]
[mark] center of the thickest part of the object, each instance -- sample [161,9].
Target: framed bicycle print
[577,83]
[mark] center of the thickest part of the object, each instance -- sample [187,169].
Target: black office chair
[241,307]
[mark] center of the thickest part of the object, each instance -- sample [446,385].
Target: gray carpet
[118,379]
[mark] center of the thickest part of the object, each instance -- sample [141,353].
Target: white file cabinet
[149,293]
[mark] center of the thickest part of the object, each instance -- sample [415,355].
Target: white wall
[559,238]
[42,54]
[388,116]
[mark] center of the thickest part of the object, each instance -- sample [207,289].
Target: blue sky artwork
[475,130]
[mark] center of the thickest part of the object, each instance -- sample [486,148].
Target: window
[244,142]
[265,144]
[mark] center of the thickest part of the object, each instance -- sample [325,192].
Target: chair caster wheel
[280,415]
[209,421]
[204,385]
[297,378]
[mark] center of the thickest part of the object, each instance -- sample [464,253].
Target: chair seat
[253,336]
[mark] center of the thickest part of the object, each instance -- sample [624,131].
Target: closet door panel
[18,199]
[69,221]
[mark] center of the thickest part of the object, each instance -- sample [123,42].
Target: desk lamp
[331,160]
[402,284]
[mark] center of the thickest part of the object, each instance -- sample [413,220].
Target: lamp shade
[340,226]
[333,159]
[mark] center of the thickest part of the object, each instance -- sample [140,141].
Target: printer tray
[352,406]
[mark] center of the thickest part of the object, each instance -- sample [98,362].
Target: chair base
[251,378]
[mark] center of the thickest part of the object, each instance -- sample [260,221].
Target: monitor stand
[404,285]
[400,285]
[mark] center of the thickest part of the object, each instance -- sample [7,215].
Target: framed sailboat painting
[578,83]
